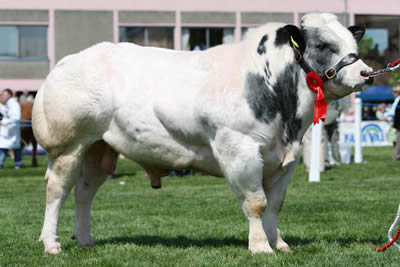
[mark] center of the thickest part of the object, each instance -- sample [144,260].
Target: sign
[373,133]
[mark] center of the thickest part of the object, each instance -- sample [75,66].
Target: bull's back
[120,86]
[80,95]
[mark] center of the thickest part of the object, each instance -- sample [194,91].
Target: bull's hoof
[88,243]
[52,251]
[285,249]
[261,249]
[54,248]
[156,186]
[50,247]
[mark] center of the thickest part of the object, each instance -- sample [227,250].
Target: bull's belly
[158,150]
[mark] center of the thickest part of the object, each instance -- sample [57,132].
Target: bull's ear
[296,37]
[357,31]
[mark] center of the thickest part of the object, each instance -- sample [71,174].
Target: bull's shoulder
[224,80]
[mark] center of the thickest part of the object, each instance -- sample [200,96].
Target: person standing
[380,113]
[26,97]
[331,132]
[9,128]
[395,112]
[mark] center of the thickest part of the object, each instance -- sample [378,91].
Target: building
[35,34]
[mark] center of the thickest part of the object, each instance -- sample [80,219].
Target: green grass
[196,220]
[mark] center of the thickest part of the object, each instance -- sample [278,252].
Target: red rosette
[315,83]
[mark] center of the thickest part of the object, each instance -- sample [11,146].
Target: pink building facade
[39,33]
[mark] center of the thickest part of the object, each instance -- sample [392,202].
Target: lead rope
[395,63]
[390,67]
[392,241]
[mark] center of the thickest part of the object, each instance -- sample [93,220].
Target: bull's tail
[39,123]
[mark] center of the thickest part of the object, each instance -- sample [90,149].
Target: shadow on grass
[344,242]
[122,174]
[23,173]
[184,242]
[179,241]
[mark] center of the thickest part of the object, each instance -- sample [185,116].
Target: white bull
[237,111]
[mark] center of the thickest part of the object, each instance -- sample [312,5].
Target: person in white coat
[10,137]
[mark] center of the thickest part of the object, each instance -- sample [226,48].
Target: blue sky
[380,37]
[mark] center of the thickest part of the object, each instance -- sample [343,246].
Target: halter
[329,73]
[316,83]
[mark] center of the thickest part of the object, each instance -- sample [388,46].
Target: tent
[379,93]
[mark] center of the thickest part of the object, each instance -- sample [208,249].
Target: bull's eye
[322,46]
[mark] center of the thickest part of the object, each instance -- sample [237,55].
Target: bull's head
[330,49]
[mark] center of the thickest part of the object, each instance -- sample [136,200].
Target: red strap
[394,63]
[315,83]
[390,243]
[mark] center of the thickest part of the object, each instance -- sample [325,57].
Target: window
[380,44]
[148,36]
[23,42]
[203,38]
[245,30]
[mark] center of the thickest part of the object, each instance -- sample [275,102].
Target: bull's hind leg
[240,160]
[276,196]
[34,152]
[99,163]
[61,175]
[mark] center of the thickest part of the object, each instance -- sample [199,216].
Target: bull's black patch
[321,54]
[282,37]
[261,49]
[267,100]
[267,71]
[357,31]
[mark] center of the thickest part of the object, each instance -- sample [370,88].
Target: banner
[373,133]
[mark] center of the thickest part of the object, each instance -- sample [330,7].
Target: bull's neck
[283,95]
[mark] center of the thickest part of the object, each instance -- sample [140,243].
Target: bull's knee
[255,207]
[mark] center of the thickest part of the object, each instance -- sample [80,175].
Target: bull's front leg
[253,204]
[276,196]
[241,163]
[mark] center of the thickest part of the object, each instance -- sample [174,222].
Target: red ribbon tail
[320,108]
[395,63]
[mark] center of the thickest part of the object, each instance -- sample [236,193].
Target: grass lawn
[196,220]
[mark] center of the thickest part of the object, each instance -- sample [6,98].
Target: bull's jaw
[362,87]
[334,90]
